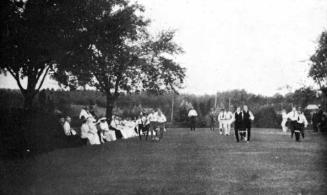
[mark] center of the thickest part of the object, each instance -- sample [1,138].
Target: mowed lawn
[184,162]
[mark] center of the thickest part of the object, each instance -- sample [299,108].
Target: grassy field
[184,162]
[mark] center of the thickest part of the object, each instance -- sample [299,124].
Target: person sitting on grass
[106,135]
[85,113]
[142,125]
[114,125]
[67,128]
[89,132]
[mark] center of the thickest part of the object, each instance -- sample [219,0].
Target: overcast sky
[256,45]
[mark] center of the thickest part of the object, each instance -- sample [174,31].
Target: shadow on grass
[25,134]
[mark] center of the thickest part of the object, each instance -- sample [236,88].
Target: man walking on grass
[212,119]
[293,116]
[248,117]
[192,114]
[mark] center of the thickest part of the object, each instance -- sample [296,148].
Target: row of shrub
[129,105]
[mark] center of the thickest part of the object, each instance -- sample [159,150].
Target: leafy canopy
[109,48]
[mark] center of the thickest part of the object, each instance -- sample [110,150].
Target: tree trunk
[28,100]
[324,98]
[109,107]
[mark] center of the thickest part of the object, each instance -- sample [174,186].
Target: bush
[266,117]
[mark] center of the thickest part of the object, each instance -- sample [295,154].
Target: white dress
[88,132]
[284,120]
[107,134]
[127,129]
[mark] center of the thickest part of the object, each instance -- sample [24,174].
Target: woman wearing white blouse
[89,132]
[284,121]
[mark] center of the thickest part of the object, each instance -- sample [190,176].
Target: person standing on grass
[229,121]
[315,120]
[152,118]
[320,119]
[221,118]
[238,122]
[293,117]
[161,120]
[212,119]
[301,121]
[284,121]
[192,114]
[225,118]
[248,117]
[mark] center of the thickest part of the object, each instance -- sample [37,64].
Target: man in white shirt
[225,119]
[301,121]
[192,114]
[293,117]
[151,118]
[161,120]
[143,125]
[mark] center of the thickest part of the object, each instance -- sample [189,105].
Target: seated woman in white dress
[115,126]
[85,114]
[127,128]
[89,132]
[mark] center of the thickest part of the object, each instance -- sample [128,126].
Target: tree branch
[16,77]
[44,76]
[117,85]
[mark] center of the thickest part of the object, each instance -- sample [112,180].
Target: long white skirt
[284,127]
[127,131]
[93,139]
[109,136]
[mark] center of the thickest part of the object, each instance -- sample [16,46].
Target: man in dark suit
[238,119]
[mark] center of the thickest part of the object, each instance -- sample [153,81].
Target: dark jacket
[239,121]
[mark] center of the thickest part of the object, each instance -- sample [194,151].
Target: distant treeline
[129,105]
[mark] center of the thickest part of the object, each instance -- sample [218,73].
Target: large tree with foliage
[318,70]
[108,47]
[28,43]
